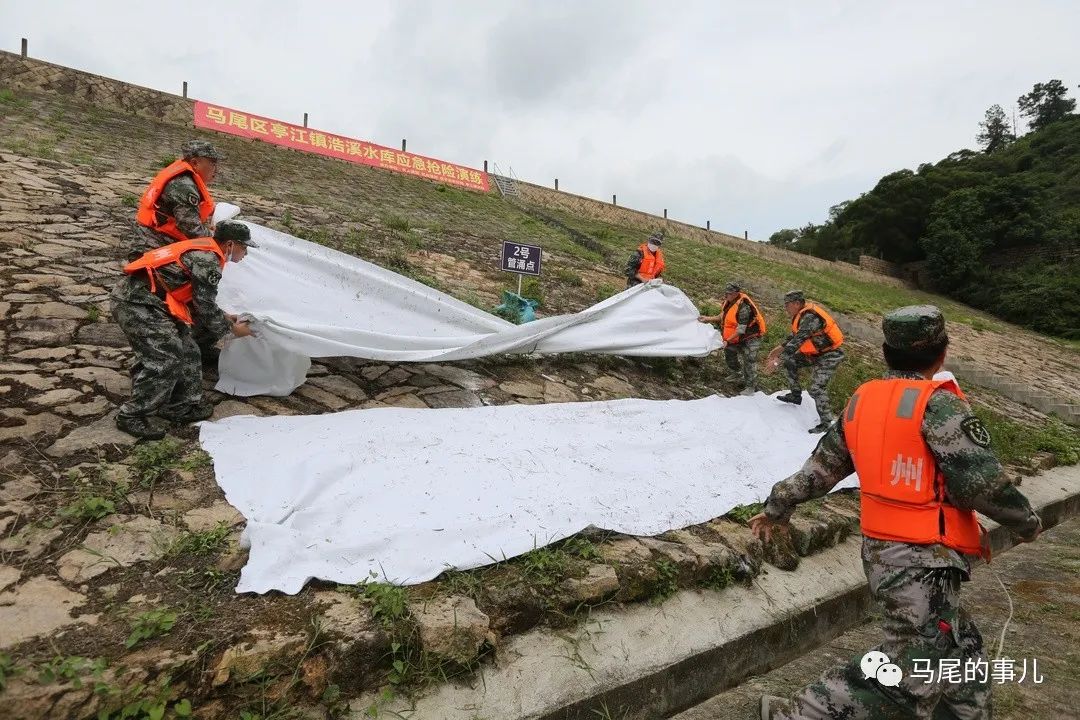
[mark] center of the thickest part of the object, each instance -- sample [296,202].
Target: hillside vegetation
[999,229]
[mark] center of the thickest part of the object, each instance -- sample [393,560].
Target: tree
[956,239]
[994,132]
[1045,104]
[784,238]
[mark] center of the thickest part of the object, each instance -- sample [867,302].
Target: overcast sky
[755,116]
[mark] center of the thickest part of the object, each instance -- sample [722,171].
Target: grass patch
[568,277]
[743,513]
[7,669]
[462,582]
[531,288]
[396,222]
[604,291]
[667,580]
[88,509]
[1014,442]
[13,101]
[202,543]
[152,460]
[399,263]
[196,460]
[149,625]
[389,603]
[544,566]
[719,578]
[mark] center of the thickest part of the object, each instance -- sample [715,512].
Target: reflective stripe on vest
[831,330]
[902,491]
[652,264]
[755,328]
[178,299]
[147,214]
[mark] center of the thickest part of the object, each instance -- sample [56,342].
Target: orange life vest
[652,264]
[177,300]
[903,491]
[756,327]
[147,214]
[831,330]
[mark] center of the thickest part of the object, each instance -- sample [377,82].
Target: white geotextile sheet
[310,301]
[404,494]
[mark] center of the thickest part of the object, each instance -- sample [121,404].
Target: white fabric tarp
[310,301]
[402,494]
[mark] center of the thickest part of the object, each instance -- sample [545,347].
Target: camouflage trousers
[824,366]
[166,375]
[743,356]
[915,602]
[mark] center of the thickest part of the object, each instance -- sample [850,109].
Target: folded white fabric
[404,494]
[310,301]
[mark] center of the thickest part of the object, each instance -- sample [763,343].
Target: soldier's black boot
[793,398]
[194,413]
[145,428]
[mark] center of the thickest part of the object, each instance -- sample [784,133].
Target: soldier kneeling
[165,292]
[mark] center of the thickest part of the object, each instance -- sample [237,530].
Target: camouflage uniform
[824,364]
[166,371]
[179,199]
[742,356]
[916,585]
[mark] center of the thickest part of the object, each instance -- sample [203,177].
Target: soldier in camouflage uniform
[917,585]
[179,200]
[740,355]
[811,328]
[166,374]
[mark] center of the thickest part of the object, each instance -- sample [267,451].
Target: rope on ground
[1005,627]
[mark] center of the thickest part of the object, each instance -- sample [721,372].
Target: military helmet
[794,296]
[200,148]
[914,327]
[236,231]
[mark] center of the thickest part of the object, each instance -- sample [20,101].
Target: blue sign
[521,259]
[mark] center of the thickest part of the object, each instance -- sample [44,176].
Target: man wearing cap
[925,467]
[814,342]
[647,262]
[177,205]
[742,330]
[167,291]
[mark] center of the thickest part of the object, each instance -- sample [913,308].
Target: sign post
[520,259]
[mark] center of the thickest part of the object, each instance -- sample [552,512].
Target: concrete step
[1046,564]
[645,662]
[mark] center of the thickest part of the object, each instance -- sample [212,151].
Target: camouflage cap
[657,238]
[913,327]
[794,296]
[200,148]
[237,232]
[732,287]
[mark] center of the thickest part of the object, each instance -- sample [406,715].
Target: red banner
[226,120]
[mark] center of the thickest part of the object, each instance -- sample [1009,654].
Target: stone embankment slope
[117,560]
